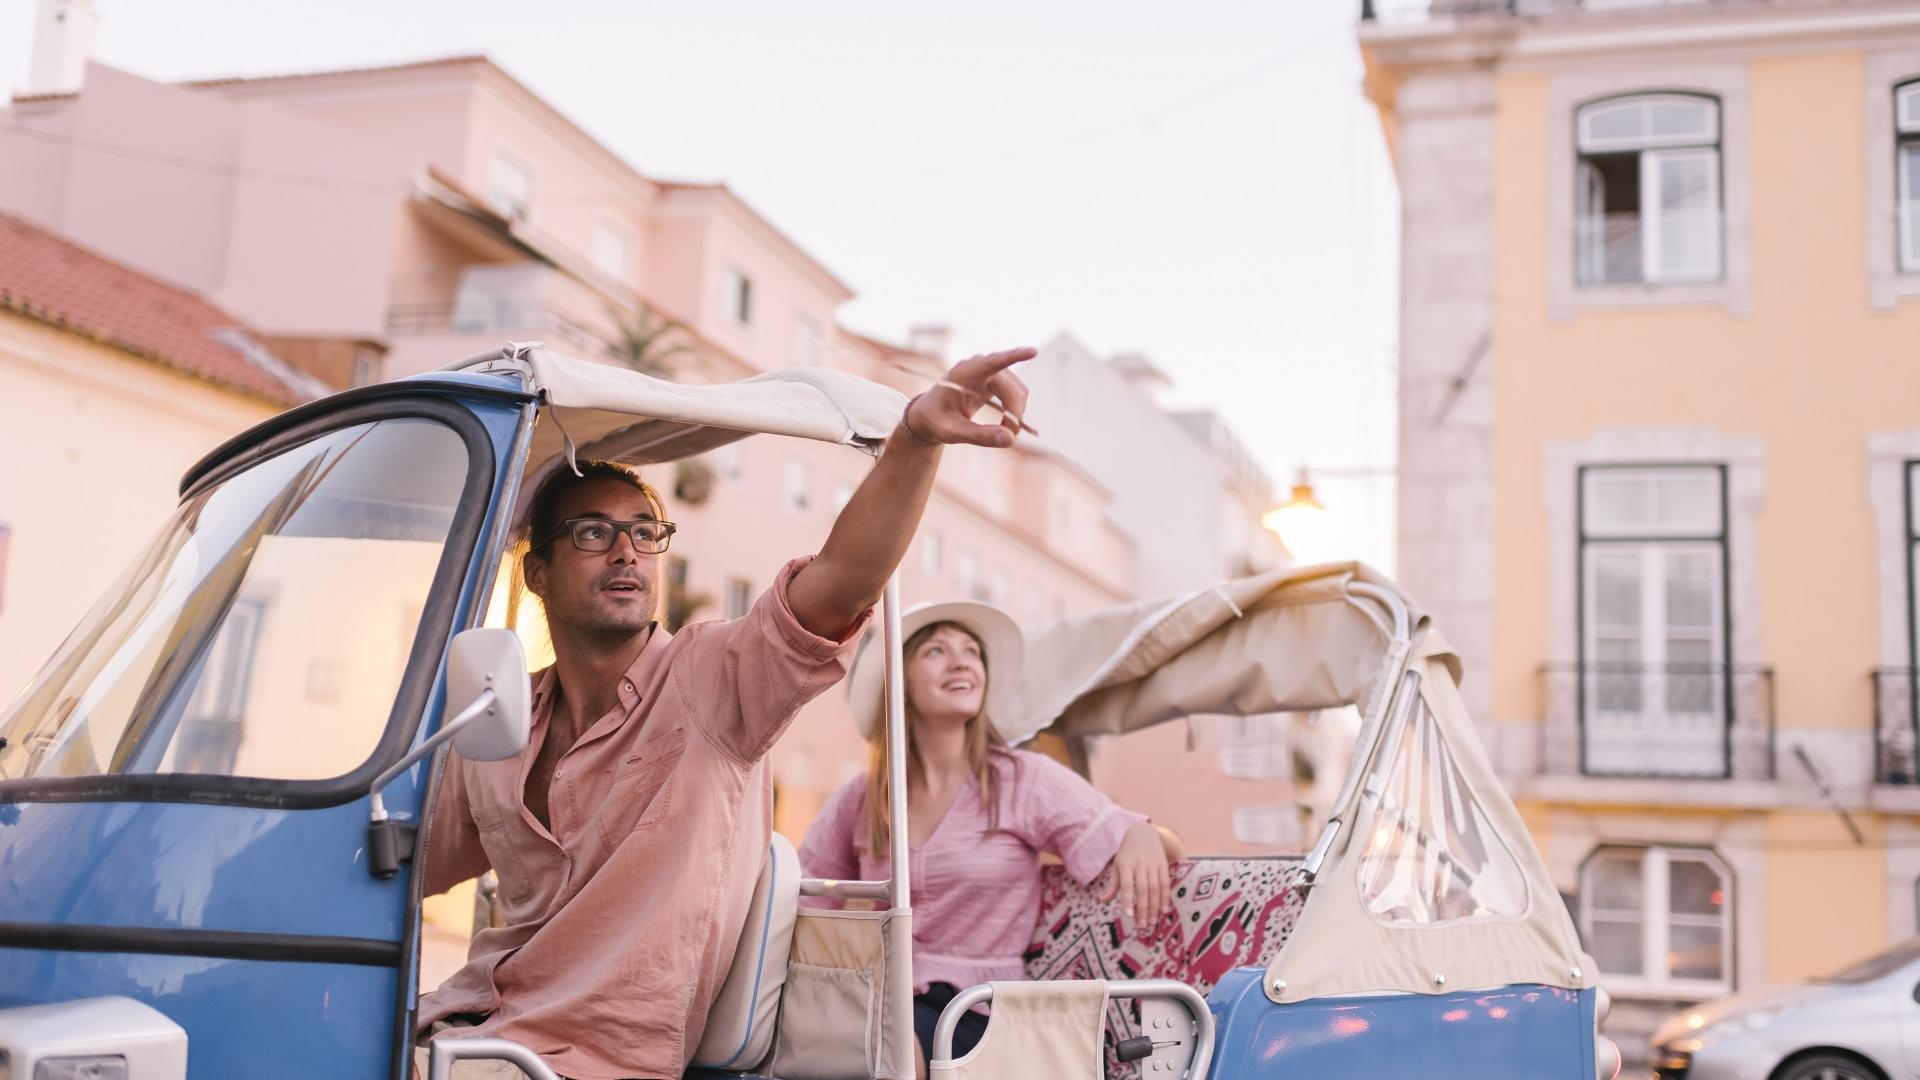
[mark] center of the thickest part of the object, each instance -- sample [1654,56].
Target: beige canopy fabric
[1432,884]
[1439,819]
[1283,641]
[603,411]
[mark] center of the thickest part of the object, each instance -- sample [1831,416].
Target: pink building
[443,208]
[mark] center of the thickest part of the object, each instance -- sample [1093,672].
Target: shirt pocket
[641,792]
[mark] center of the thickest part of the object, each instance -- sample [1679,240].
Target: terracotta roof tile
[57,282]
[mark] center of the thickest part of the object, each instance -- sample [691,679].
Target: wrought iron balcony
[1896,727]
[1679,721]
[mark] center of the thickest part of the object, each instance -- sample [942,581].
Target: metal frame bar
[1372,727]
[846,890]
[1913,617]
[899,898]
[941,1053]
[443,1053]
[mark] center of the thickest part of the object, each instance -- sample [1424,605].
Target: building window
[1906,118]
[1653,635]
[730,460]
[799,485]
[967,570]
[6,542]
[612,249]
[1268,827]
[803,342]
[842,494]
[1648,190]
[509,184]
[1657,920]
[739,297]
[933,553]
[739,597]
[1256,747]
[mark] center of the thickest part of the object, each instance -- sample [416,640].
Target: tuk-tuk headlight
[95,1067]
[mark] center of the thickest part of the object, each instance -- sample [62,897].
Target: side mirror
[489,710]
[486,661]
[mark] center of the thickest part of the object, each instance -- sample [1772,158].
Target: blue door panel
[197,867]
[243,1018]
[1514,1033]
[231,869]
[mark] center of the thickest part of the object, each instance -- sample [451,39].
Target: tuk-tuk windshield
[265,631]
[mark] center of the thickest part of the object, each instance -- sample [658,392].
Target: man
[629,833]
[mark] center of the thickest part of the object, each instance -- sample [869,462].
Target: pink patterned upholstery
[1227,913]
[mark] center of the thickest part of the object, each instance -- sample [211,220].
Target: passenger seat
[740,1028]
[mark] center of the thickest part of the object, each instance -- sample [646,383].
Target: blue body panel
[244,1018]
[239,869]
[1514,1033]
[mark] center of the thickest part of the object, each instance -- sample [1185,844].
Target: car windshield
[264,632]
[1878,966]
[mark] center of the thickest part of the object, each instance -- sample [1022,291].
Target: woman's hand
[1140,875]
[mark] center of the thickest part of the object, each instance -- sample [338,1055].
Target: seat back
[740,1026]
[1228,912]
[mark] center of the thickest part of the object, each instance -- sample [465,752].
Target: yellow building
[1660,434]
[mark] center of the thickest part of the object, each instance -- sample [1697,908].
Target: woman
[979,814]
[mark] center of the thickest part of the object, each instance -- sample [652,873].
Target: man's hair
[544,517]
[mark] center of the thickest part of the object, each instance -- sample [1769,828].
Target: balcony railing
[1699,721]
[1613,249]
[1896,727]
[529,319]
[1417,11]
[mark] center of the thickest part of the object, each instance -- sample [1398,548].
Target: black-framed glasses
[595,535]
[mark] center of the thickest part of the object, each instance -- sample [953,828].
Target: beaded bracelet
[906,421]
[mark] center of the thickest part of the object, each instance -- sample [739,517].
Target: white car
[1860,1023]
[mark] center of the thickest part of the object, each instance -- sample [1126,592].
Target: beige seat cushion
[1049,1029]
[740,1027]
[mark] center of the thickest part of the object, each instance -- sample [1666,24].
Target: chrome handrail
[1399,629]
[443,1053]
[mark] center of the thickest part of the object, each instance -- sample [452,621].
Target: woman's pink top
[976,895]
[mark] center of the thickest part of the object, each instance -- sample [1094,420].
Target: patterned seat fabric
[1227,913]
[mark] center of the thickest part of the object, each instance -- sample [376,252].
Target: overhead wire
[1151,116]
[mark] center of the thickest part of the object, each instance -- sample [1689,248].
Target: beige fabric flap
[1339,947]
[616,413]
[1287,640]
[1049,1029]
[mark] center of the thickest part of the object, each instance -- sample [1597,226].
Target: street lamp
[1302,522]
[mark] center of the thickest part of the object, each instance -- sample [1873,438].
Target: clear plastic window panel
[265,631]
[1433,856]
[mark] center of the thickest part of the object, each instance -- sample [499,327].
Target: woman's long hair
[982,743]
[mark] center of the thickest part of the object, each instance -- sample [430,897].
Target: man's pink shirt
[621,920]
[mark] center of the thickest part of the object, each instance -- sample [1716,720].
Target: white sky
[1203,182]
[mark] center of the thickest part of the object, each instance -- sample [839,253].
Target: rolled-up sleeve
[745,679]
[1056,810]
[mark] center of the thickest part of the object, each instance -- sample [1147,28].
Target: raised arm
[871,535]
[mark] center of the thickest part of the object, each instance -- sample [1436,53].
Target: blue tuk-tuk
[211,796]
